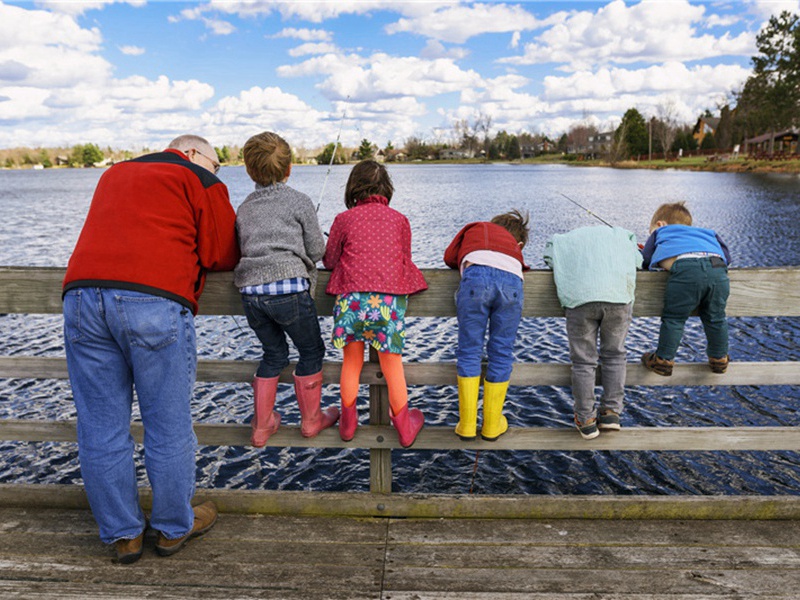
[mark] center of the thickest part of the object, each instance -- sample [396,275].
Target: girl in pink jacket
[369,254]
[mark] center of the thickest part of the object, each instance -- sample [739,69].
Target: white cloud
[645,32]
[306,35]
[435,49]
[78,7]
[306,49]
[515,39]
[54,80]
[767,8]
[457,24]
[132,50]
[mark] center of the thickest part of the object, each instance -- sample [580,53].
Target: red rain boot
[349,422]
[408,424]
[265,421]
[308,389]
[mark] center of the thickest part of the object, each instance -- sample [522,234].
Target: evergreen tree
[365,150]
[770,98]
[632,134]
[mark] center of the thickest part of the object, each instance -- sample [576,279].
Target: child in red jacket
[489,256]
[369,253]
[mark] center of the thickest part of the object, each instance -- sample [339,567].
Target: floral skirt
[377,319]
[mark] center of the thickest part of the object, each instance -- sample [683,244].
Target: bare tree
[665,127]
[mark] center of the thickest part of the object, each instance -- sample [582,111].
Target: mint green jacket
[594,264]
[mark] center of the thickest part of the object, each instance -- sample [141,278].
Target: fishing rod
[333,155]
[586,209]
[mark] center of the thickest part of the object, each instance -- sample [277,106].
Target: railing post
[380,460]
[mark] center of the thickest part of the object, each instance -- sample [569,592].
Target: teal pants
[695,283]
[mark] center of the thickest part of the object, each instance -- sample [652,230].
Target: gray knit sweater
[279,236]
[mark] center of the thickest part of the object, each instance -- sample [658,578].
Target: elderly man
[156,224]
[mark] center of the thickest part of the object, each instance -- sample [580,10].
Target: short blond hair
[675,213]
[267,158]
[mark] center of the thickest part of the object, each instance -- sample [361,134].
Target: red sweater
[156,224]
[369,250]
[482,235]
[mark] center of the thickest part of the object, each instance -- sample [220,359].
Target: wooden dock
[55,554]
[396,546]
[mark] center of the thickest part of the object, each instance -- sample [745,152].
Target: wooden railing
[755,292]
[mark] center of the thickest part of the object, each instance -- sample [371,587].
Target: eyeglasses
[214,163]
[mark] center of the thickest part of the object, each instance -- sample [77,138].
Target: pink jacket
[369,250]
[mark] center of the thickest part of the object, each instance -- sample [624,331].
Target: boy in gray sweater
[281,242]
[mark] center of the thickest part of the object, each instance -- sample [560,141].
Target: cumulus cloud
[457,24]
[435,49]
[132,50]
[306,49]
[306,35]
[80,95]
[73,8]
[621,34]
[764,9]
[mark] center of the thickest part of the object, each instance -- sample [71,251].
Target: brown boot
[719,365]
[657,365]
[129,551]
[205,515]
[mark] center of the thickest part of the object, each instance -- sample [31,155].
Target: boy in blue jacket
[697,261]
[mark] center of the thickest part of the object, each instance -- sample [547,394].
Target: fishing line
[333,155]
[586,209]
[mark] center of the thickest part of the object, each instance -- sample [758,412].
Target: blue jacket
[671,240]
[594,264]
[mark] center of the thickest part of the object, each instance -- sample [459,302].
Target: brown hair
[368,178]
[516,223]
[672,214]
[267,158]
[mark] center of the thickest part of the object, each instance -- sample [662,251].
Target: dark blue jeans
[273,318]
[487,297]
[694,283]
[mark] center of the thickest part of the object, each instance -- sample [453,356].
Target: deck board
[55,553]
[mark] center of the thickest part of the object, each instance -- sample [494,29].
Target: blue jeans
[487,296]
[118,340]
[273,318]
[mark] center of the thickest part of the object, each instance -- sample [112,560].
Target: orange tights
[391,366]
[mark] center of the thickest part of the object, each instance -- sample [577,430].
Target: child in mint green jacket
[595,275]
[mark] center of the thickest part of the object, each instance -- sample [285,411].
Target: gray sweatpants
[585,324]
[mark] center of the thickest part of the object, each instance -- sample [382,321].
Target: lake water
[757,215]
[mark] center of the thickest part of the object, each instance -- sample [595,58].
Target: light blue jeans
[117,341]
[487,297]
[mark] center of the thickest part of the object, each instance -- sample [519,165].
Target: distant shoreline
[721,164]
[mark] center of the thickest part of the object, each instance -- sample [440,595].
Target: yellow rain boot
[468,388]
[494,423]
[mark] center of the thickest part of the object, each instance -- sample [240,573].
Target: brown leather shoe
[719,365]
[657,365]
[129,551]
[205,515]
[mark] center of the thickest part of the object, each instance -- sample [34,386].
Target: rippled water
[757,215]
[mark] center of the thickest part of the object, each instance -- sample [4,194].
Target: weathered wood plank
[706,582]
[768,291]
[514,506]
[384,437]
[420,373]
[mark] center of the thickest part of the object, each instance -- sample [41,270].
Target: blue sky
[132,74]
